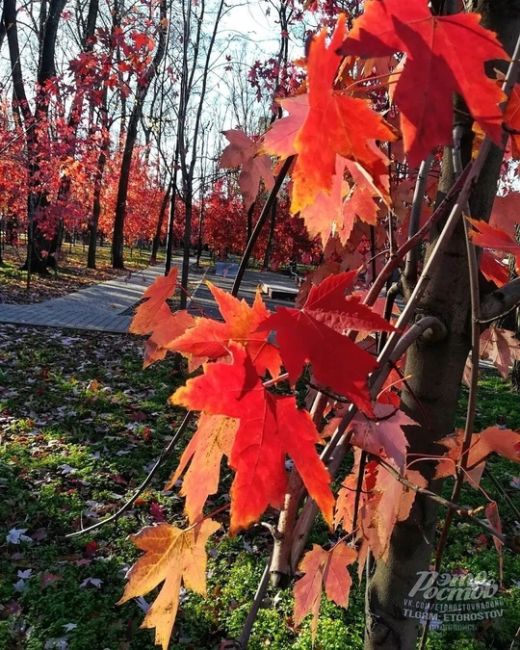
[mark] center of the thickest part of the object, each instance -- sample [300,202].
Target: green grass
[81,423]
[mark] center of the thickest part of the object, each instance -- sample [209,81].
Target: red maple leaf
[271,427]
[505,212]
[141,39]
[486,236]
[501,347]
[493,270]
[280,139]
[512,120]
[314,335]
[444,55]
[323,571]
[384,434]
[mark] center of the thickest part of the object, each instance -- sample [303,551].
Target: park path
[106,307]
[100,307]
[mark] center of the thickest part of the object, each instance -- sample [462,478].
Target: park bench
[279,291]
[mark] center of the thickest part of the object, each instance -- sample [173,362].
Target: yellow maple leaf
[171,556]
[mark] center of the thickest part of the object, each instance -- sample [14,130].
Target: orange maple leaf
[242,152]
[326,215]
[336,124]
[213,439]
[503,442]
[172,556]
[271,427]
[147,314]
[324,571]
[384,501]
[155,316]
[210,339]
[336,211]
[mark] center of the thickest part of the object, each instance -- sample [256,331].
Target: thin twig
[439,213]
[502,492]
[164,455]
[266,210]
[412,257]
[515,643]
[452,506]
[255,606]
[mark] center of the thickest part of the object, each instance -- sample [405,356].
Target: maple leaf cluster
[346,143]
[256,430]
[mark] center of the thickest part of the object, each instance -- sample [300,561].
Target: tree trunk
[131,135]
[160,221]
[188,203]
[268,248]
[201,231]
[37,239]
[96,205]
[436,373]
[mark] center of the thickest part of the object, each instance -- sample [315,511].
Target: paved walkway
[103,307]
[100,307]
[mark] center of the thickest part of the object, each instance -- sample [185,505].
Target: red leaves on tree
[383,434]
[242,152]
[512,120]
[501,347]
[210,339]
[325,571]
[271,427]
[444,55]
[505,212]
[141,39]
[335,124]
[493,270]
[486,236]
[313,335]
